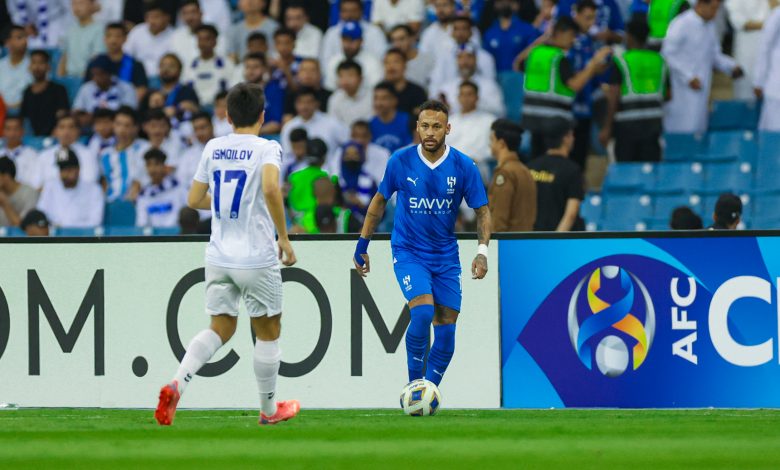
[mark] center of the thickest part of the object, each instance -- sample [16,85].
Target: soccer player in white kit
[238,179]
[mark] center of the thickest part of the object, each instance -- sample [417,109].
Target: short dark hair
[155,155]
[184,3]
[285,32]
[397,51]
[171,55]
[257,35]
[435,105]
[585,5]
[297,4]
[471,84]
[61,117]
[10,29]
[7,167]
[306,90]
[683,218]
[639,30]
[388,87]
[40,52]
[350,64]
[201,115]
[357,2]
[221,95]
[555,136]
[464,18]
[116,25]
[508,131]
[259,56]
[404,27]
[14,117]
[152,5]
[362,123]
[299,134]
[208,27]
[102,113]
[245,104]
[564,24]
[127,111]
[156,114]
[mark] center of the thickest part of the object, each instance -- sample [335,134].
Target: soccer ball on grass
[420,398]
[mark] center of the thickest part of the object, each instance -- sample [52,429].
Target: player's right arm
[374,214]
[272,192]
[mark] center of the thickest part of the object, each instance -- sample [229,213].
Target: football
[420,398]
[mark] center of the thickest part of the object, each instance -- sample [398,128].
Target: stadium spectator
[728,212]
[257,42]
[352,11]
[285,64]
[43,100]
[389,127]
[255,20]
[220,120]
[122,164]
[410,95]
[747,17]
[44,21]
[256,71]
[209,73]
[470,132]
[25,158]
[351,101]
[103,125]
[15,67]
[307,36]
[551,83]
[218,13]
[123,66]
[439,33]
[608,28]
[161,200]
[160,135]
[390,13]
[187,165]
[299,140]
[579,55]
[335,219]
[512,192]
[104,91]
[151,40]
[16,199]
[318,125]
[660,14]
[376,155]
[767,74]
[639,86]
[545,16]
[35,224]
[692,51]
[352,47]
[184,39]
[179,98]
[508,36]
[559,184]
[70,201]
[357,185]
[189,221]
[66,132]
[301,198]
[447,54]
[309,77]
[83,40]
[683,218]
[492,97]
[419,65]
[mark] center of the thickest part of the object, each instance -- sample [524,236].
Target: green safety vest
[301,199]
[660,15]
[546,96]
[644,75]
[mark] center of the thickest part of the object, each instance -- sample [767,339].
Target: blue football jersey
[429,196]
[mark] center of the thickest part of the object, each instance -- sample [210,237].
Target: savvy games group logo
[608,314]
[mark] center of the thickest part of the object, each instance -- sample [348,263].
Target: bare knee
[425,299]
[445,316]
[224,326]
[267,328]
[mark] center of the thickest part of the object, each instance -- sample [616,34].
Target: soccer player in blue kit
[431,180]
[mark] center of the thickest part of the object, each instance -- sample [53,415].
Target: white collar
[438,162]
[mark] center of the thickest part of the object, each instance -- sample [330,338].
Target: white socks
[199,352]
[267,358]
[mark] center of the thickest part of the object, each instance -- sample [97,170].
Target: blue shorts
[417,277]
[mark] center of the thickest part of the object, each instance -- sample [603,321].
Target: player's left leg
[447,296]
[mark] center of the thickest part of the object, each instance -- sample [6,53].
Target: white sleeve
[98,206]
[202,174]
[494,98]
[765,46]
[272,154]
[141,212]
[674,52]
[416,12]
[45,202]
[81,103]
[723,62]
[737,13]
[129,97]
[378,11]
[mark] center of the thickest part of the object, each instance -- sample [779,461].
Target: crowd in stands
[106,106]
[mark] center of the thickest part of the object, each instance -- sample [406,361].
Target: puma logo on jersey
[413,181]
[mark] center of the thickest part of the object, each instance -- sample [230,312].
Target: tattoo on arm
[373,215]
[484,226]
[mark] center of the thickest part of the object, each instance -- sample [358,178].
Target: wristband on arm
[361,249]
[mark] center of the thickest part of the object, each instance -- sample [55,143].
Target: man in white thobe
[692,50]
[767,73]
[748,18]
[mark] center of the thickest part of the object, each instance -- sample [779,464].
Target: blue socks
[417,337]
[441,352]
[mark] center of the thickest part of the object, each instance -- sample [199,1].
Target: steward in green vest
[659,15]
[301,198]
[639,87]
[551,84]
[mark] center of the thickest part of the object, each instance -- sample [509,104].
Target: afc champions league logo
[607,317]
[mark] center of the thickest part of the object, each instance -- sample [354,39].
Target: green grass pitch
[372,439]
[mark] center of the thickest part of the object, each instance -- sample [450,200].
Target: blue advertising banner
[640,322]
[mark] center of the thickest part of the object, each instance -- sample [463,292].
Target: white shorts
[261,290]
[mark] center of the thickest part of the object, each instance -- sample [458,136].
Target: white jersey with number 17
[242,231]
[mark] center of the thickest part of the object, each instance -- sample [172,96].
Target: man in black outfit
[43,100]
[559,184]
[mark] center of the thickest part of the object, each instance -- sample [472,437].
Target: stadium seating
[683,147]
[71,84]
[120,214]
[591,210]
[677,177]
[12,232]
[664,205]
[127,231]
[512,86]
[166,231]
[76,232]
[729,145]
[627,208]
[732,177]
[629,177]
[734,115]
